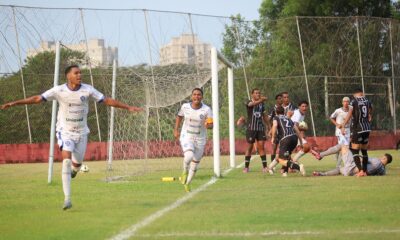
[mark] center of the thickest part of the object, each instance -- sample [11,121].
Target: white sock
[187,158]
[298,155]
[273,164]
[66,178]
[192,171]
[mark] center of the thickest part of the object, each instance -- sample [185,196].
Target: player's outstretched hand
[5,106]
[135,109]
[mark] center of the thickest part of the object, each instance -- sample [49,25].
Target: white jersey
[297,116]
[73,107]
[340,115]
[194,121]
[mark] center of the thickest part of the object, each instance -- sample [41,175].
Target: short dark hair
[254,89]
[280,110]
[197,89]
[284,93]
[303,102]
[278,95]
[388,157]
[358,90]
[69,68]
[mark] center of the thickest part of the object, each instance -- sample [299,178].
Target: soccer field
[237,206]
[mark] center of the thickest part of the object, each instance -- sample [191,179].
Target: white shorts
[343,140]
[304,141]
[74,144]
[194,145]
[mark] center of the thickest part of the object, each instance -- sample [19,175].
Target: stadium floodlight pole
[90,70]
[393,86]
[215,109]
[21,73]
[305,75]
[54,113]
[359,55]
[111,137]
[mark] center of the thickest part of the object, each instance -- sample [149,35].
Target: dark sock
[356,158]
[247,161]
[293,165]
[364,160]
[285,169]
[264,161]
[273,157]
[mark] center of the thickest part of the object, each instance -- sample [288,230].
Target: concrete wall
[38,153]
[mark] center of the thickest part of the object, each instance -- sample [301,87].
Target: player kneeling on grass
[197,119]
[72,130]
[289,136]
[375,166]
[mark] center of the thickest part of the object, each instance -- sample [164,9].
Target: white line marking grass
[262,234]
[131,231]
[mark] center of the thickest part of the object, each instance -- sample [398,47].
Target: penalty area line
[131,231]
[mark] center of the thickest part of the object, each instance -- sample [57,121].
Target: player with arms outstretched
[289,134]
[360,127]
[72,130]
[197,118]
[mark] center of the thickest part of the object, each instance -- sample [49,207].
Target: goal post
[215,56]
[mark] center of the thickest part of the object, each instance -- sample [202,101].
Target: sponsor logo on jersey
[202,116]
[83,98]
[74,119]
[74,105]
[257,114]
[77,111]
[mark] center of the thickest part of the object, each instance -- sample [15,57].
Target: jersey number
[287,123]
[364,111]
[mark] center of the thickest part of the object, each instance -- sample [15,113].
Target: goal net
[143,142]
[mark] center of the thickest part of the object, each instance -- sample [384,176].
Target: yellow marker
[168,179]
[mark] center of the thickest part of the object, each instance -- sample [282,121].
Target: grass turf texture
[252,206]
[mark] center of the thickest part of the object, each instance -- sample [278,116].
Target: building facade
[99,54]
[186,49]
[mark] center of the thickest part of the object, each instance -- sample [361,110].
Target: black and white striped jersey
[255,117]
[285,126]
[272,112]
[289,108]
[361,111]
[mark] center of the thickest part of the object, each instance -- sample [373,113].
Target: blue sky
[123,29]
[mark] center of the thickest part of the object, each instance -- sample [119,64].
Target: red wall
[32,153]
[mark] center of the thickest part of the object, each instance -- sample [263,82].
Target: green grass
[253,205]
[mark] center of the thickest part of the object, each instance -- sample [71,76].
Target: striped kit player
[360,127]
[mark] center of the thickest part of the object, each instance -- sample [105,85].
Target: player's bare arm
[273,130]
[115,103]
[333,121]
[30,100]
[256,102]
[299,134]
[348,117]
[178,121]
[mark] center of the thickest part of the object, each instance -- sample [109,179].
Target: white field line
[131,231]
[264,234]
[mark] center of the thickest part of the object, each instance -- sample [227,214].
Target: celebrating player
[256,129]
[360,127]
[289,135]
[197,118]
[72,130]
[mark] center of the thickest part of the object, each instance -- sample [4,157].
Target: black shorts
[286,146]
[359,138]
[252,136]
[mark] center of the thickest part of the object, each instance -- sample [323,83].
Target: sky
[125,30]
[247,8]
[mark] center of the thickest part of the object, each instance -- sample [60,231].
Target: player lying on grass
[289,136]
[375,166]
[72,130]
[197,118]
